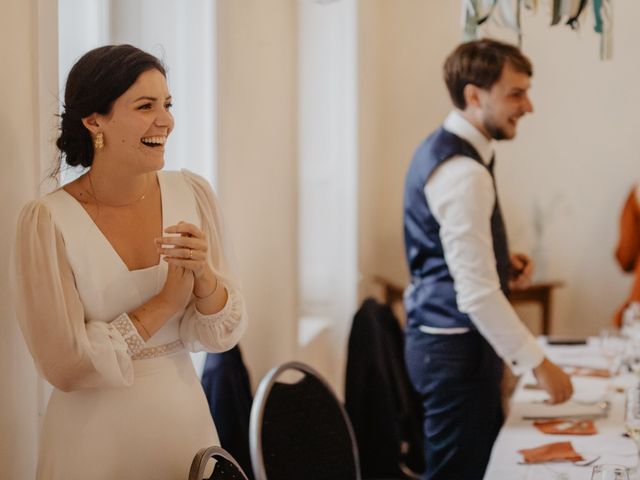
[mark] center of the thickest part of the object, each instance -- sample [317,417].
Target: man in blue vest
[461,327]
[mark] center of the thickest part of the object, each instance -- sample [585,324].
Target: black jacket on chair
[382,405]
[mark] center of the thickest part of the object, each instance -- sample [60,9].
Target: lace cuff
[124,326]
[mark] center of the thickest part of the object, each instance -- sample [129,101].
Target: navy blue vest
[431,299]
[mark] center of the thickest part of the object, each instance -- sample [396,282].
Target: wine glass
[632,419]
[612,346]
[609,472]
[631,320]
[631,357]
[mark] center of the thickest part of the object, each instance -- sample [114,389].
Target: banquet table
[609,443]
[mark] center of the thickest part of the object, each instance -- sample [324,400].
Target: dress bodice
[105,285]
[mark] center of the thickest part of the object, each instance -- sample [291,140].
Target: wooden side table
[538,293]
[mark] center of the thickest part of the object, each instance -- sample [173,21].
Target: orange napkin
[551,452]
[564,427]
[589,372]
[532,386]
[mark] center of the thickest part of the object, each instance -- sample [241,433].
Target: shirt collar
[460,126]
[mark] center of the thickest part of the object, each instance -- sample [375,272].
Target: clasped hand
[186,253]
[188,249]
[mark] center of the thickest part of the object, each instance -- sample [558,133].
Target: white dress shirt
[461,197]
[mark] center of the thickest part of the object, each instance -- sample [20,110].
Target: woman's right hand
[177,289]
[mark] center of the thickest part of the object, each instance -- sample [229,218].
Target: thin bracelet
[135,319]
[208,295]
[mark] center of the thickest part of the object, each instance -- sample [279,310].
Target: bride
[116,276]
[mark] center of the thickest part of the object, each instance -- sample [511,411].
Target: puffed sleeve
[222,330]
[68,351]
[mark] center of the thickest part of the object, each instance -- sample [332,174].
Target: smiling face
[501,107]
[136,129]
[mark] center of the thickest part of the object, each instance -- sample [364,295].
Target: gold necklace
[99,202]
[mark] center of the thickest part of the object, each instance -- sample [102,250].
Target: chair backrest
[226,385]
[300,430]
[226,467]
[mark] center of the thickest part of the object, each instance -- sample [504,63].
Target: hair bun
[74,141]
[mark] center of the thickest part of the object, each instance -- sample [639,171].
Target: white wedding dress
[121,408]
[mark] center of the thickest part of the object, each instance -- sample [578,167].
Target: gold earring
[98,143]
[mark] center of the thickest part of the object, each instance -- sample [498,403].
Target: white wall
[287,170]
[26,35]
[400,100]
[580,148]
[577,151]
[257,148]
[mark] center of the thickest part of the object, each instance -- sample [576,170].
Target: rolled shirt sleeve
[461,196]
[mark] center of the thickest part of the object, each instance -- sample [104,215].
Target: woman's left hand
[188,250]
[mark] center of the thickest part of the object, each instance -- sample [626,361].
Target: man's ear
[471,95]
[91,123]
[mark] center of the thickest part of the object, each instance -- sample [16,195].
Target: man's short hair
[480,63]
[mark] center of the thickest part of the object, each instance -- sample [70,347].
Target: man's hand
[521,269]
[554,380]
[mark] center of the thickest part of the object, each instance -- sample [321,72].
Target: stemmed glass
[631,329]
[613,345]
[631,320]
[632,419]
[632,357]
[609,472]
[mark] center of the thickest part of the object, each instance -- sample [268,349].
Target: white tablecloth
[518,434]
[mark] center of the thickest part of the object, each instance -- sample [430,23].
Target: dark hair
[96,80]
[480,63]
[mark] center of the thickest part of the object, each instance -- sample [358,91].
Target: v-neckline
[106,240]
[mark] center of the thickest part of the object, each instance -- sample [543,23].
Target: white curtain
[328,181]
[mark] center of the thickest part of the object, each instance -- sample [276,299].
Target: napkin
[551,452]
[571,408]
[564,427]
[589,372]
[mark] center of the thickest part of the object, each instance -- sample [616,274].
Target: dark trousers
[458,378]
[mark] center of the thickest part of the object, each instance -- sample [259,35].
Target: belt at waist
[158,351]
